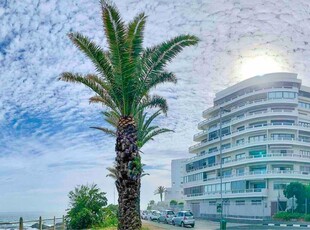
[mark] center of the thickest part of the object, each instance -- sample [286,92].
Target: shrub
[86,207]
[173,202]
[307,217]
[287,216]
[110,216]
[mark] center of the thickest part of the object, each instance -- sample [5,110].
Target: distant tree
[181,203]
[298,190]
[86,207]
[160,190]
[173,202]
[150,204]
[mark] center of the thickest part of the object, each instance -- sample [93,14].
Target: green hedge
[290,216]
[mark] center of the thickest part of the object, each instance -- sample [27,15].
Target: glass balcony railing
[249,159]
[249,128]
[247,94]
[235,192]
[245,105]
[203,144]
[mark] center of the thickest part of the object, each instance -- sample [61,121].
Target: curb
[289,225]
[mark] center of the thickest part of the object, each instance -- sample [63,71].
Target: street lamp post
[221,166]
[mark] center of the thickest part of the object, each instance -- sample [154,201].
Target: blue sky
[46,146]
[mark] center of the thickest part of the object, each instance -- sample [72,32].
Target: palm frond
[154,101]
[110,132]
[135,35]
[155,133]
[161,78]
[95,54]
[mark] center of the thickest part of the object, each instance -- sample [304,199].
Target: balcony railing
[246,143]
[248,159]
[250,128]
[254,190]
[245,105]
[247,94]
[267,172]
[281,174]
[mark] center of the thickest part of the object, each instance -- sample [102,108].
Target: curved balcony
[203,135]
[283,157]
[248,105]
[246,144]
[270,174]
[248,94]
[256,192]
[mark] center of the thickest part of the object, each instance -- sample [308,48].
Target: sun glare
[258,64]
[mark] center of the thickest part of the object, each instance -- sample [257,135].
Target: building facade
[175,192]
[265,146]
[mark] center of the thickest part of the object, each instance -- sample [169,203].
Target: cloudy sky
[46,146]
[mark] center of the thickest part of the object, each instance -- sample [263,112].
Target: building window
[226,159]
[302,123]
[258,124]
[240,202]
[282,136]
[304,138]
[305,169]
[212,150]
[213,135]
[258,153]
[225,131]
[258,170]
[280,95]
[226,146]
[240,171]
[240,128]
[240,156]
[238,185]
[240,141]
[304,105]
[256,202]
[257,138]
[279,185]
[282,122]
[212,203]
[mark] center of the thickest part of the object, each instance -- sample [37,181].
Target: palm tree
[126,73]
[160,190]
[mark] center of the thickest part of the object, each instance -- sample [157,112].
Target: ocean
[27,216]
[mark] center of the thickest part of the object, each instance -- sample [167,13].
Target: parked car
[154,215]
[144,214]
[166,216]
[184,218]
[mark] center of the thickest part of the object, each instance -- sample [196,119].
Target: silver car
[154,215]
[184,218]
[166,216]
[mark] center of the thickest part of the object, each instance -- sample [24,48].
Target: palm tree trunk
[128,165]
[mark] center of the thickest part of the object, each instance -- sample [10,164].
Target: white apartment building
[265,146]
[176,190]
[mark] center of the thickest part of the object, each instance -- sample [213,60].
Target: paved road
[210,225]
